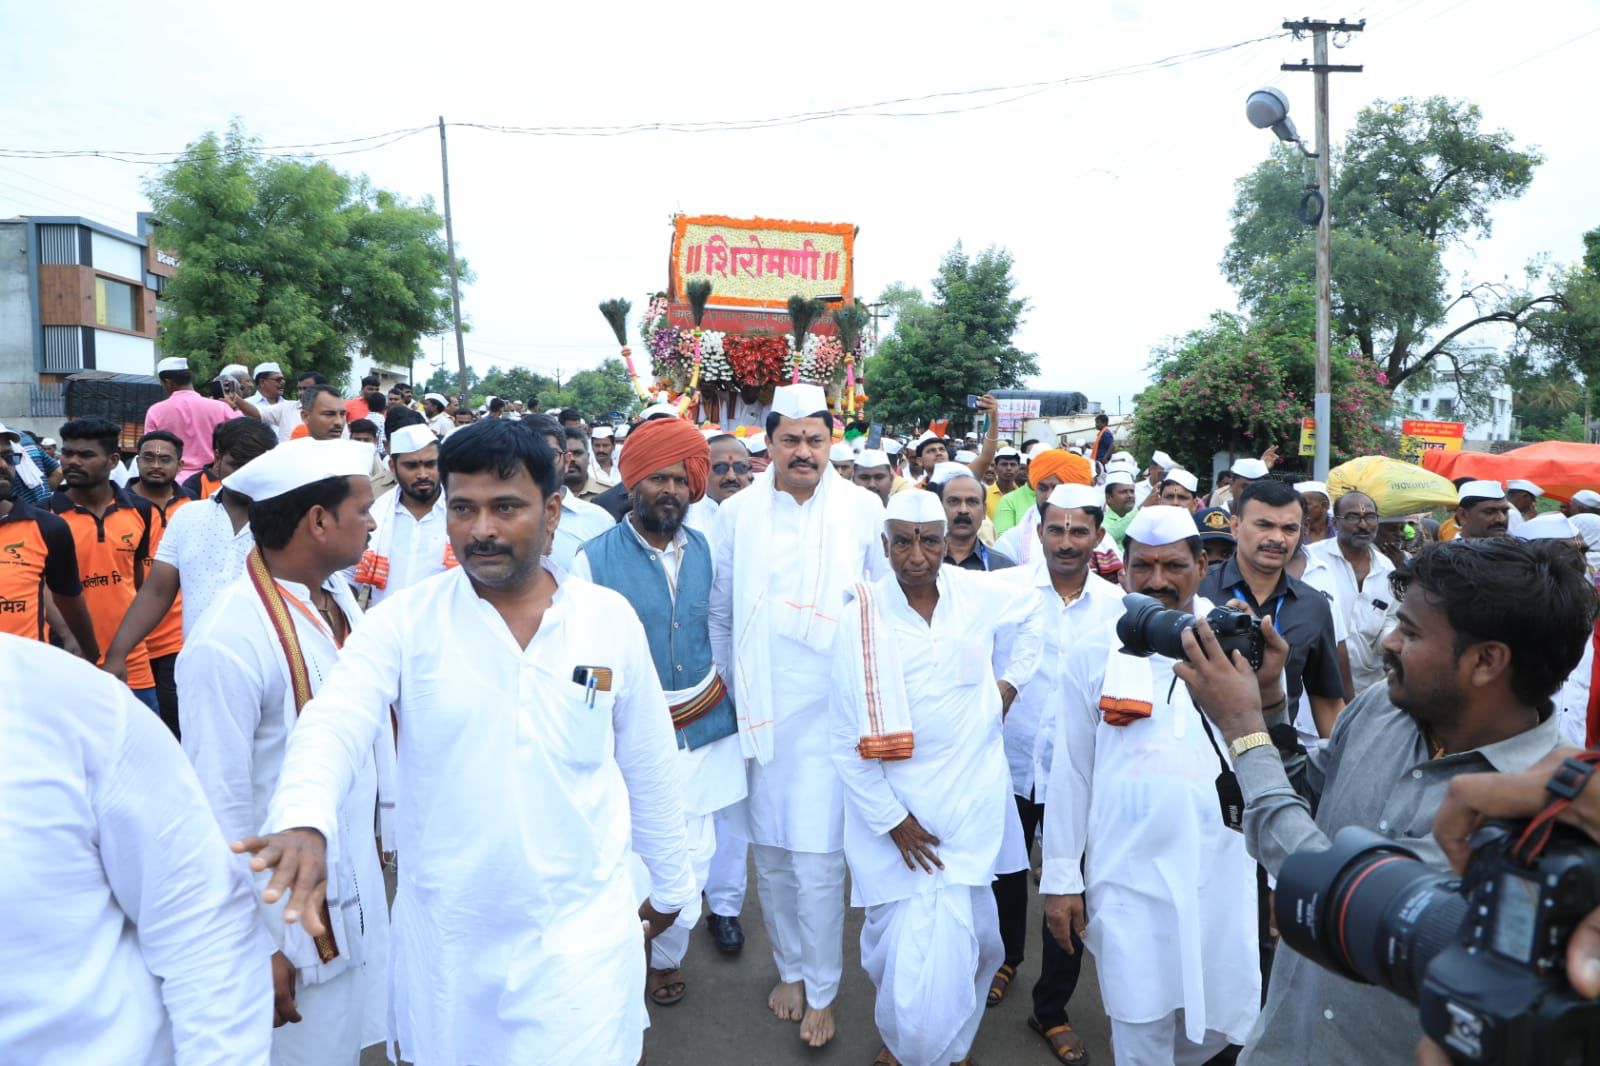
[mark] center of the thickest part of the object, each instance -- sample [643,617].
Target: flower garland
[714,366]
[757,360]
[818,360]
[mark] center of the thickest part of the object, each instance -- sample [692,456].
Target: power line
[993,96]
[1547,51]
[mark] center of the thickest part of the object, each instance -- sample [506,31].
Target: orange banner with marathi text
[1419,435]
[759,262]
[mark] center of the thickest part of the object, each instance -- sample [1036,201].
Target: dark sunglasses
[721,469]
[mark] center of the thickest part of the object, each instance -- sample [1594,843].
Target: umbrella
[1396,487]
[1559,467]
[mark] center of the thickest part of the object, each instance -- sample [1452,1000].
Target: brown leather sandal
[1000,985]
[1057,1036]
[665,987]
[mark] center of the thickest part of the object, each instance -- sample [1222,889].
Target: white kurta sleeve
[647,753]
[219,715]
[867,791]
[1066,823]
[174,878]
[1020,607]
[719,618]
[334,735]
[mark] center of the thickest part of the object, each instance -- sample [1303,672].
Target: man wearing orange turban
[663,568]
[1046,470]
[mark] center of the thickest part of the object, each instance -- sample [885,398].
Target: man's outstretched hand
[298,861]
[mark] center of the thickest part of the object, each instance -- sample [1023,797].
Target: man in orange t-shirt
[111,531]
[160,455]
[36,555]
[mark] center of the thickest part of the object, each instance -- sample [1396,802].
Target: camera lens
[1367,909]
[1146,627]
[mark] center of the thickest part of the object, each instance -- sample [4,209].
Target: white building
[1440,401]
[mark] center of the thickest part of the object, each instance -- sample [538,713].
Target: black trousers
[164,667]
[1058,971]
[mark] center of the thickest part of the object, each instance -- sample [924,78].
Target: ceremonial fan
[850,322]
[616,313]
[802,312]
[699,292]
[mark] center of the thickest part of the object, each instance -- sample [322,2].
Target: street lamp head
[1268,109]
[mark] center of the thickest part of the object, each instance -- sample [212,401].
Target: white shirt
[282,416]
[702,516]
[442,425]
[580,521]
[955,719]
[521,788]
[1030,726]
[1367,613]
[237,716]
[131,935]
[201,543]
[416,546]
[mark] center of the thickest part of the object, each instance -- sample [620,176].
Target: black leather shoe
[727,932]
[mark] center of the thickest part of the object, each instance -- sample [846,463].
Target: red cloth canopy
[1559,467]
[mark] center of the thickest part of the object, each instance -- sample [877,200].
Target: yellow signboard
[758,262]
[1308,436]
[1419,435]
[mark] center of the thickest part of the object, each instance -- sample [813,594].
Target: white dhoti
[802,905]
[931,958]
[1162,1043]
[667,949]
[725,881]
[329,1030]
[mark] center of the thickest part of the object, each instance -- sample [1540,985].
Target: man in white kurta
[916,709]
[1168,890]
[787,549]
[131,935]
[535,745]
[1077,608]
[240,711]
[409,542]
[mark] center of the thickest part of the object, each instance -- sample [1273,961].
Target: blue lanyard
[1242,594]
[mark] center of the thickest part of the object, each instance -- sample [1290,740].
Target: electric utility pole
[1320,68]
[455,281]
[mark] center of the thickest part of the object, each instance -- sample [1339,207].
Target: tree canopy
[293,261]
[596,393]
[960,343]
[1413,179]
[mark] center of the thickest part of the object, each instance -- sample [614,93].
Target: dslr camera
[1482,956]
[1146,628]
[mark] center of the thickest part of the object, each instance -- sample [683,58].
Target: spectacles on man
[721,469]
[1359,518]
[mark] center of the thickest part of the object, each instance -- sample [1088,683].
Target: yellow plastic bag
[1398,488]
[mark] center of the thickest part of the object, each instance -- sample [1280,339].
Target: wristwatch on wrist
[1246,742]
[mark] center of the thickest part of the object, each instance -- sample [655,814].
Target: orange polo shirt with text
[112,549]
[36,553]
[167,637]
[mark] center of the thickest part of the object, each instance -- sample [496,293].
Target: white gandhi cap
[171,363]
[297,463]
[1071,496]
[266,368]
[871,459]
[1550,526]
[412,438]
[914,505]
[1481,490]
[841,453]
[1521,485]
[1155,526]
[943,472]
[798,401]
[1179,476]
[1248,468]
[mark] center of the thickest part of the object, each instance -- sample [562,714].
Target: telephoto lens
[1147,627]
[1368,909]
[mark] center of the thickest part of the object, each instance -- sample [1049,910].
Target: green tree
[600,392]
[1413,179]
[516,383]
[293,261]
[1241,384]
[959,343]
[446,381]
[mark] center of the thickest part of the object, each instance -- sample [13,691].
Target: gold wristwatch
[1246,742]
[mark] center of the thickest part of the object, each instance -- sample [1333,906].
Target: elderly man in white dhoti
[535,746]
[247,671]
[929,820]
[786,549]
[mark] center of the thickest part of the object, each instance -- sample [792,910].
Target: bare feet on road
[788,1001]
[816,1028]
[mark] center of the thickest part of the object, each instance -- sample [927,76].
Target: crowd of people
[569,681]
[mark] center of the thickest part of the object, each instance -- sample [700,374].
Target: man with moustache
[875,473]
[1120,504]
[282,414]
[963,500]
[1487,630]
[1267,520]
[409,543]
[843,460]
[915,706]
[1138,862]
[1482,510]
[663,568]
[247,671]
[928,451]
[1077,609]
[1361,575]
[1008,476]
[518,933]
[580,519]
[730,472]
[786,551]
[322,413]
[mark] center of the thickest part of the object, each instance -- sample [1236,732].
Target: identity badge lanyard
[1242,594]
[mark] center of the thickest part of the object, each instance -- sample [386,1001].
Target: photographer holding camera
[1488,629]
[1140,857]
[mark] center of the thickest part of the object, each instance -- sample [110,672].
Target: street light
[1268,109]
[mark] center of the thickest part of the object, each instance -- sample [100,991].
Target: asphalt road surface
[724,1020]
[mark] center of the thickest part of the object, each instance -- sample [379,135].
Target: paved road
[724,1021]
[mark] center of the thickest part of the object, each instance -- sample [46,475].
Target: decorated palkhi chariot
[750,304]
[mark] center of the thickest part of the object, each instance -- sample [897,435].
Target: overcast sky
[1112,196]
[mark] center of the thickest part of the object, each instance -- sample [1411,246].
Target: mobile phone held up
[972,402]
